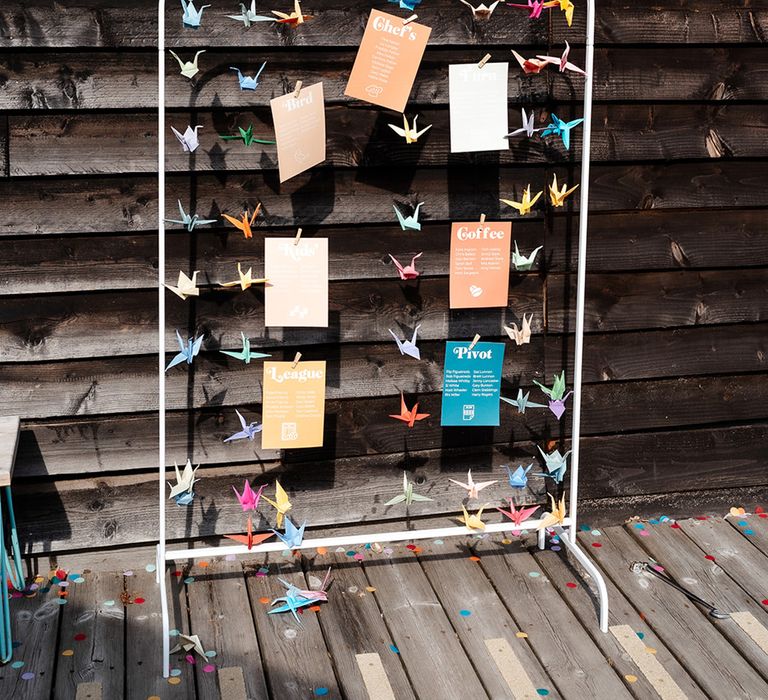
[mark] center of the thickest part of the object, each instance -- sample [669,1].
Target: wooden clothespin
[484,60]
[298,237]
[410,19]
[297,90]
[482,218]
[296,360]
[474,341]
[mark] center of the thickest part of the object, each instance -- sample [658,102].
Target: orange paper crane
[249,539]
[409,416]
[245,222]
[295,18]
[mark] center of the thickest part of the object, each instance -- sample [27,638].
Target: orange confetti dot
[370,589]
[263,601]
[474,558]
[154,697]
[174,680]
[204,564]
[68,652]
[416,550]
[314,608]
[322,550]
[630,678]
[650,650]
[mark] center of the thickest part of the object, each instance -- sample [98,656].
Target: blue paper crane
[562,129]
[519,478]
[293,536]
[192,16]
[248,432]
[188,351]
[246,81]
[189,221]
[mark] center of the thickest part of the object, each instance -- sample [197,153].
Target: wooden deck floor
[455,619]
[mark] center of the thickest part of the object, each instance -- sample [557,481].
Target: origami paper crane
[523,335]
[246,136]
[530,65]
[557,395]
[245,280]
[188,351]
[524,207]
[555,463]
[316,596]
[189,69]
[472,487]
[249,539]
[281,503]
[562,129]
[409,133]
[192,16]
[189,221]
[295,18]
[293,536]
[408,495]
[247,16]
[183,489]
[185,287]
[408,347]
[407,272]
[188,140]
[409,416]
[409,222]
[246,354]
[482,11]
[556,516]
[248,432]
[562,61]
[519,478]
[534,7]
[566,6]
[248,82]
[527,127]
[522,402]
[245,222]
[405,4]
[189,643]
[521,262]
[291,603]
[473,522]
[517,515]
[249,499]
[556,195]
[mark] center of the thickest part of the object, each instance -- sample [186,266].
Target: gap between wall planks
[652,232]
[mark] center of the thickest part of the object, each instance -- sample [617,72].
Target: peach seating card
[480,264]
[296,293]
[299,130]
[387,61]
[293,411]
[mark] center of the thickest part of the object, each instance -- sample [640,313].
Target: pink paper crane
[562,61]
[249,499]
[535,7]
[408,272]
[518,515]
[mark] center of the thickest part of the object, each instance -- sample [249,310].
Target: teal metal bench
[10,566]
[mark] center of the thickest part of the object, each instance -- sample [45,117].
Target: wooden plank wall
[675,400]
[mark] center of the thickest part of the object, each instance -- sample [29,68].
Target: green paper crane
[245,135]
[558,387]
[408,495]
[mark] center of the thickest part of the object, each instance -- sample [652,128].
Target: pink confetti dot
[209,668]
[596,544]
[675,526]
[138,601]
[358,557]
[709,556]
[644,533]
[79,637]
[765,601]
[190,659]
[571,584]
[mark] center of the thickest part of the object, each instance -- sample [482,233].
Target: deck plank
[582,598]
[756,530]
[460,584]
[744,562]
[352,624]
[715,665]
[295,656]
[685,563]
[220,614]
[34,626]
[144,640]
[563,647]
[418,623]
[98,658]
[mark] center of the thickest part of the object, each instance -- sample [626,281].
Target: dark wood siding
[676,401]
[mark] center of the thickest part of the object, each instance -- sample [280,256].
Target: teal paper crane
[409,222]
[555,463]
[247,16]
[562,129]
[189,221]
[246,354]
[192,16]
[522,402]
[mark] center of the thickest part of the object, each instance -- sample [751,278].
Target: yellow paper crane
[246,279]
[526,205]
[189,69]
[473,522]
[521,336]
[566,6]
[281,503]
[294,18]
[556,516]
[409,133]
[557,195]
[185,287]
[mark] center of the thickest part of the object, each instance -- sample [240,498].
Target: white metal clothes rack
[567,532]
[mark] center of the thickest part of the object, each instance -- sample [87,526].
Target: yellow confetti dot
[521,635]
[68,652]
[174,680]
[154,697]
[630,678]
[370,589]
[650,650]
[505,541]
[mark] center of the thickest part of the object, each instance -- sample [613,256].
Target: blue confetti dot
[189,579]
[175,672]
[61,601]
[653,521]
[464,613]
[555,548]
[664,519]
[320,692]
[749,532]
[394,648]
[150,568]
[596,533]
[585,528]
[639,526]
[542,691]
[640,635]
[17,664]
[438,541]
[351,553]
[534,574]
[210,653]
[78,579]
[16,645]
[743,523]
